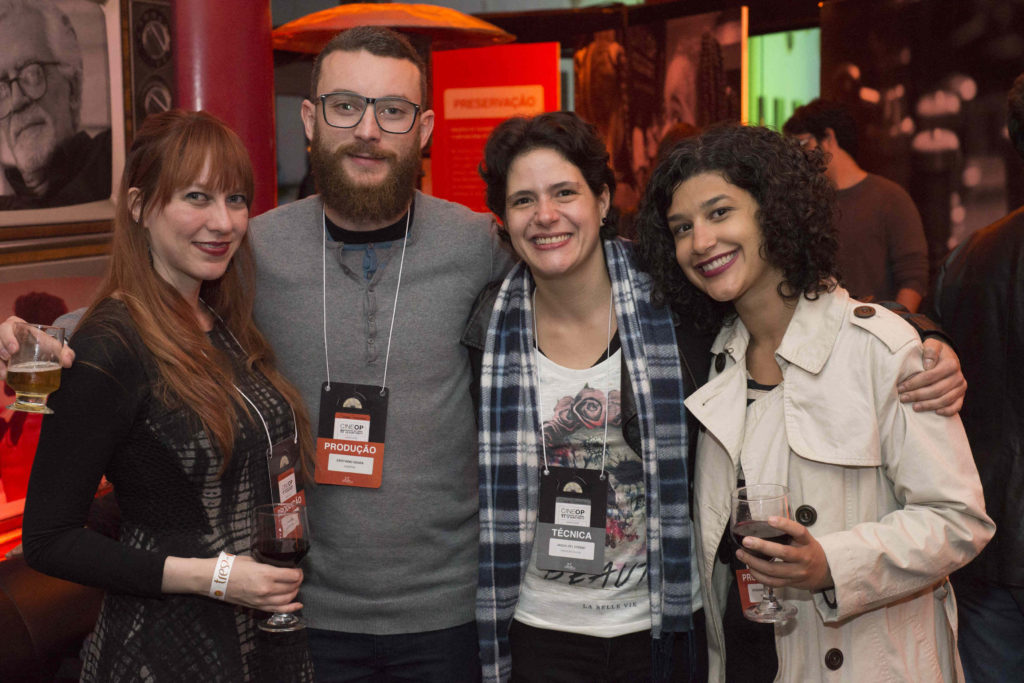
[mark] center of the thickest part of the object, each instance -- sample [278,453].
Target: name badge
[750,589]
[288,521]
[571,520]
[350,435]
[283,464]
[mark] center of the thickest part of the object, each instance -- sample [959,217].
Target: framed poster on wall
[63,136]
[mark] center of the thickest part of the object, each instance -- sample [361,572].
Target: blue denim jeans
[991,630]
[450,655]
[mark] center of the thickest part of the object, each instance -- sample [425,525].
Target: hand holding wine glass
[281,539]
[751,508]
[800,564]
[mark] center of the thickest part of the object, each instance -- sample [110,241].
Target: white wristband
[221,574]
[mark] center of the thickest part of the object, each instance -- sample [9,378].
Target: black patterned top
[174,502]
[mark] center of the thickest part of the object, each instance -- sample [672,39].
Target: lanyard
[394,308]
[536,362]
[259,414]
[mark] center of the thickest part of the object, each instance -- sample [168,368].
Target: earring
[604,220]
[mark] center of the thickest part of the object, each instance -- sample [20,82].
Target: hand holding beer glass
[34,369]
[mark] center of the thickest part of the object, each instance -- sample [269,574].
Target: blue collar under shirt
[368,241]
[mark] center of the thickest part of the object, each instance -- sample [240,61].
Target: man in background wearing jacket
[979,300]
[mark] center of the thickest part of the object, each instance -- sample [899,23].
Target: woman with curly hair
[803,392]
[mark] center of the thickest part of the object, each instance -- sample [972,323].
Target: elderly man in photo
[47,160]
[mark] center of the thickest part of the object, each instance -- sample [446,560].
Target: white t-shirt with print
[615,602]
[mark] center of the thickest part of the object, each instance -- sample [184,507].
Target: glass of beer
[34,369]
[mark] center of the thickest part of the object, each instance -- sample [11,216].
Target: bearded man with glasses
[47,160]
[364,290]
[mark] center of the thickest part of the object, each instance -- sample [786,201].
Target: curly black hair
[796,210]
[561,131]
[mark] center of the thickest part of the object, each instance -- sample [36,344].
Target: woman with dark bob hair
[584,511]
[803,393]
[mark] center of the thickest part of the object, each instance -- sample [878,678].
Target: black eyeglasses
[345,110]
[31,79]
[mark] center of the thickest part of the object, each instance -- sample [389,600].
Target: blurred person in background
[882,249]
[979,300]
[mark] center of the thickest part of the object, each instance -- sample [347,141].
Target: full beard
[360,202]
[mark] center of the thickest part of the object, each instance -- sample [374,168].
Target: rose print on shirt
[586,409]
[574,437]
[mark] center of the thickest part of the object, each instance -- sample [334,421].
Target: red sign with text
[475,90]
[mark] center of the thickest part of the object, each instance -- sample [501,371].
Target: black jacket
[979,300]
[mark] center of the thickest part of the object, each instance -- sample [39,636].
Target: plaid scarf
[510,453]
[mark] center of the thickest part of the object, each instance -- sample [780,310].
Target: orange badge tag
[351,435]
[750,589]
[350,462]
[284,457]
[289,520]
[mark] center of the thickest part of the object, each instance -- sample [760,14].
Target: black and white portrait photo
[55,104]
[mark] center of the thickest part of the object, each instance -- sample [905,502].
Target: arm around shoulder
[936,520]
[93,413]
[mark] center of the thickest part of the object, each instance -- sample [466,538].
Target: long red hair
[170,151]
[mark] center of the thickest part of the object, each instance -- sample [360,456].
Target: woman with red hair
[175,398]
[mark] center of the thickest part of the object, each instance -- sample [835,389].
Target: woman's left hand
[803,565]
[941,386]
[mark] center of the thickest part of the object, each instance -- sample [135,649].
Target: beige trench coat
[893,496]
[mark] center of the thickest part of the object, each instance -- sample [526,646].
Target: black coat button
[864,311]
[834,658]
[720,362]
[806,515]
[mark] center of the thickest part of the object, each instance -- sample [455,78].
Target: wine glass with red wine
[751,507]
[280,537]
